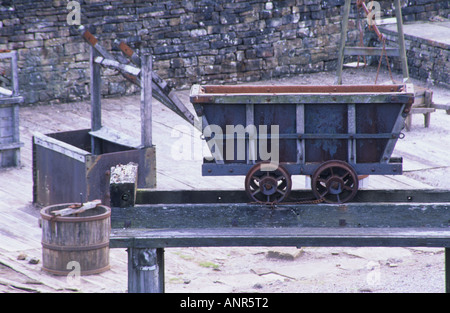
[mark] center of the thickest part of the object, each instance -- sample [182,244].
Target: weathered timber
[147,196]
[9,116]
[77,208]
[315,98]
[344,28]
[370,51]
[6,92]
[96,108]
[123,185]
[145,270]
[129,69]
[146,100]
[350,215]
[299,237]
[423,104]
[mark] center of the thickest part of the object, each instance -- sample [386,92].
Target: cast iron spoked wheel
[334,182]
[268,183]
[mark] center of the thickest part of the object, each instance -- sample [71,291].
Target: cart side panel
[374,119]
[326,119]
[57,176]
[223,115]
[283,116]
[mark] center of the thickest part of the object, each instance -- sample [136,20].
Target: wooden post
[15,75]
[96,109]
[401,41]
[145,270]
[123,185]
[447,270]
[344,27]
[146,100]
[15,122]
[427,99]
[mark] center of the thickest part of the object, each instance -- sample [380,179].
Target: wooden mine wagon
[332,133]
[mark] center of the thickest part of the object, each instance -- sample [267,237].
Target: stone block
[253,64]
[74,48]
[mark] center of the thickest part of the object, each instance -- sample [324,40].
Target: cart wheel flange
[268,183]
[334,182]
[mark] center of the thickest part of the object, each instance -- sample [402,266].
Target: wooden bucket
[83,239]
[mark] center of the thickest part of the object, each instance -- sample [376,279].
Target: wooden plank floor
[178,153]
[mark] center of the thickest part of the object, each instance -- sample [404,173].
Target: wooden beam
[283,215]
[129,69]
[15,74]
[146,100]
[370,51]
[6,92]
[422,110]
[77,209]
[297,237]
[10,100]
[96,108]
[149,196]
[441,106]
[344,28]
[96,122]
[401,40]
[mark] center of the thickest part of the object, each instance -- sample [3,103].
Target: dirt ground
[312,269]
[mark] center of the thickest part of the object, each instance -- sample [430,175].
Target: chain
[383,51]
[297,201]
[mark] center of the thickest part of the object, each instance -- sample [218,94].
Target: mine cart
[334,134]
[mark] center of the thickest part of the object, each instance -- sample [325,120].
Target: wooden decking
[179,157]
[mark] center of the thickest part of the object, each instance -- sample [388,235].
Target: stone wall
[192,41]
[428,60]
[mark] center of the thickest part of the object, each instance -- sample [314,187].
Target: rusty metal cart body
[332,133]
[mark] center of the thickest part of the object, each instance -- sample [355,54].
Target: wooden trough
[64,166]
[73,163]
